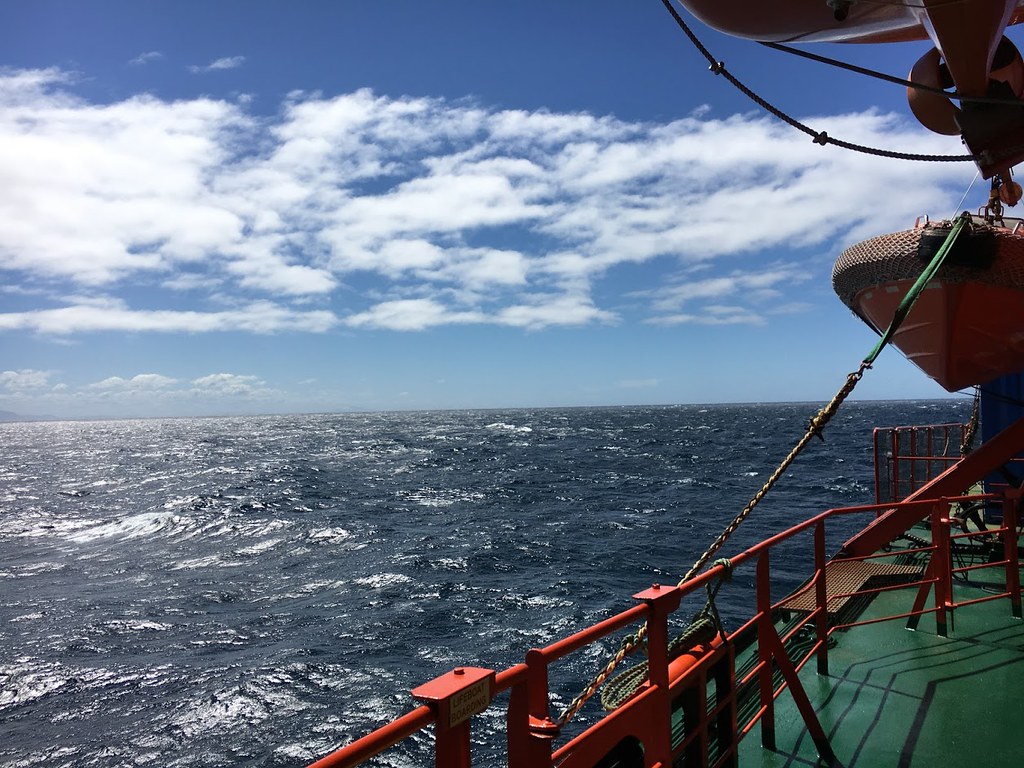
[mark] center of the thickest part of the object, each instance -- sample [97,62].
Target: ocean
[256,591]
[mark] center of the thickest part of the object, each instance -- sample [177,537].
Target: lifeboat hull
[958,334]
[818,21]
[967,326]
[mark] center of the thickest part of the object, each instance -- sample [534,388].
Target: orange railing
[906,458]
[690,705]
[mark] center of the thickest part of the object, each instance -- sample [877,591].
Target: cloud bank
[365,212]
[144,392]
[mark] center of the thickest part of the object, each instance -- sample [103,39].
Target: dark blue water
[257,591]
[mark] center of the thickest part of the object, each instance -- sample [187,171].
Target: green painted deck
[897,697]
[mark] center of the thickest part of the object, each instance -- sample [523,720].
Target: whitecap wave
[506,427]
[381,580]
[132,527]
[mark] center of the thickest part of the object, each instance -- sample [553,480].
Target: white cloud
[228,62]
[145,58]
[543,311]
[32,87]
[257,317]
[143,382]
[156,393]
[229,385]
[24,380]
[122,186]
[411,315]
[756,286]
[419,212]
[712,314]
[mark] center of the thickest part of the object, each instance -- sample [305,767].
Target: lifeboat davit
[967,326]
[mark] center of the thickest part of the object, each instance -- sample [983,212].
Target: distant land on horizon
[12,416]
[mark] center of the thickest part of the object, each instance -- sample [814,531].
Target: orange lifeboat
[967,326]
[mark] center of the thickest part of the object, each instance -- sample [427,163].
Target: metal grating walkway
[842,579]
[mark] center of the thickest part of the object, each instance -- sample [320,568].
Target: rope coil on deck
[624,686]
[704,627]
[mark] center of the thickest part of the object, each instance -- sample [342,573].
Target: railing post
[821,598]
[912,461]
[517,727]
[1011,499]
[770,647]
[896,496]
[455,697]
[764,650]
[662,601]
[944,565]
[543,730]
[878,467]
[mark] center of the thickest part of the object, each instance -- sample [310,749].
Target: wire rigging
[819,137]
[887,78]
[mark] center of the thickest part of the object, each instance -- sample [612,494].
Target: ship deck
[900,697]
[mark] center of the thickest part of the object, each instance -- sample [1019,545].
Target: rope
[889,78]
[631,643]
[703,628]
[622,687]
[967,444]
[819,137]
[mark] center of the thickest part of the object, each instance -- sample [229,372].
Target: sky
[249,206]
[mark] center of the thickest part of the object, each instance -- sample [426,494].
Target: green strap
[908,301]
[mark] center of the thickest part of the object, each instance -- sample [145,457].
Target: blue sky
[262,207]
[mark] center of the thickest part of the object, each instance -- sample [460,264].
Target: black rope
[819,137]
[888,78]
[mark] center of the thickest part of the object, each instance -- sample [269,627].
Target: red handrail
[646,717]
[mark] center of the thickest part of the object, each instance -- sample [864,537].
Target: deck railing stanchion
[878,466]
[543,730]
[918,449]
[943,565]
[517,727]
[1011,499]
[662,601]
[454,698]
[771,652]
[764,651]
[894,474]
[821,620]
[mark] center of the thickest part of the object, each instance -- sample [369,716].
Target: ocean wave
[502,426]
[440,497]
[329,535]
[260,590]
[383,580]
[133,527]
